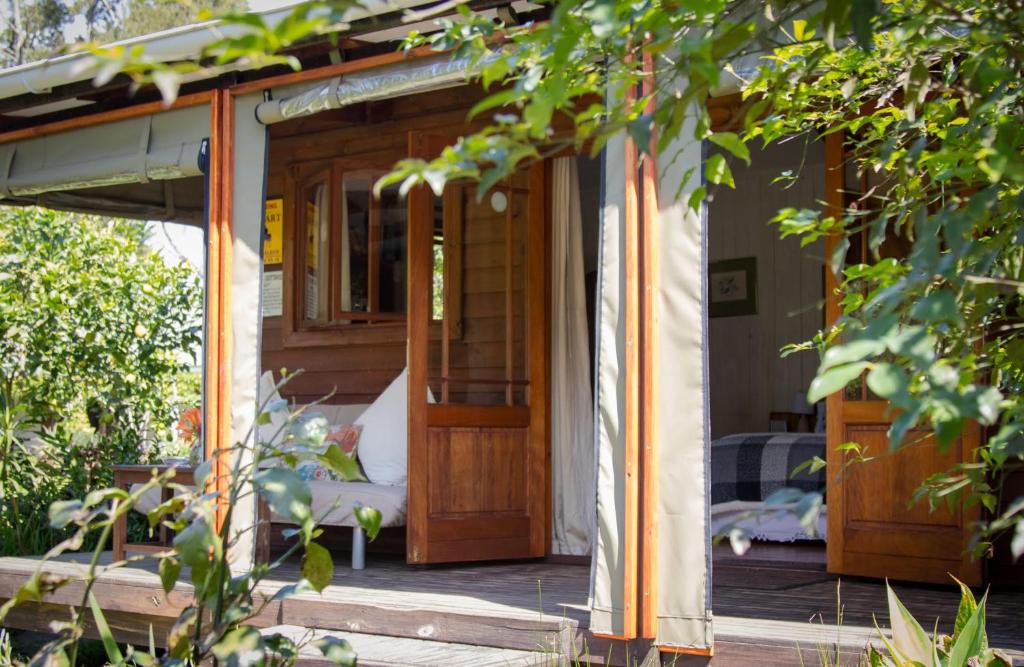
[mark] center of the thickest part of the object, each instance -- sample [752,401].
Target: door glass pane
[478,349]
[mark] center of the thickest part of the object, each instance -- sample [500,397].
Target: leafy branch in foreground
[218,621]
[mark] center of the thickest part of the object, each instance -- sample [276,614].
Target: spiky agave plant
[911,646]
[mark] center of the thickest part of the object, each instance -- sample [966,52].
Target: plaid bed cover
[751,466]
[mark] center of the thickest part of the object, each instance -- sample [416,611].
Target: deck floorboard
[756,601]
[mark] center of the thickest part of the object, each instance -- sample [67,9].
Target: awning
[407,78]
[120,168]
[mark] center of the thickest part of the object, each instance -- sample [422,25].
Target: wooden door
[873,530]
[478,461]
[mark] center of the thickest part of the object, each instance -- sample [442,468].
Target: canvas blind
[117,168]
[678,395]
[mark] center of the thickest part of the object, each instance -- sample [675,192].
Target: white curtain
[572,427]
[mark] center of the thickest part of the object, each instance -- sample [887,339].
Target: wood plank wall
[359,370]
[748,378]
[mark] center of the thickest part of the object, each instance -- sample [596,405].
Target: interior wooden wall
[357,368]
[748,378]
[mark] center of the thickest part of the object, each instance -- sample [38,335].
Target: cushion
[272,433]
[345,436]
[383,445]
[388,500]
[383,454]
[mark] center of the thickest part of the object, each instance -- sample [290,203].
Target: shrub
[97,341]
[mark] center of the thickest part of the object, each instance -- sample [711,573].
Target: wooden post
[218,299]
[647,232]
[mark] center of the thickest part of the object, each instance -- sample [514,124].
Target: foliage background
[36,28]
[97,346]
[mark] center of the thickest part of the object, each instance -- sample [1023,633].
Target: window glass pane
[316,213]
[371,267]
[390,278]
[355,243]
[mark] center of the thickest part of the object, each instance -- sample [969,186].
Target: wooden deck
[763,607]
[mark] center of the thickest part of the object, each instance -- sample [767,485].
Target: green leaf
[861,13]
[103,629]
[64,512]
[285,492]
[241,647]
[908,637]
[341,464]
[731,142]
[179,634]
[170,568]
[193,546]
[716,170]
[856,350]
[890,382]
[369,518]
[697,197]
[969,642]
[965,609]
[833,380]
[337,650]
[317,567]
[939,306]
[498,99]
[640,130]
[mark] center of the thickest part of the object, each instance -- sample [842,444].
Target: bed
[746,468]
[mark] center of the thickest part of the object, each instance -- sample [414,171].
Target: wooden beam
[834,203]
[144,109]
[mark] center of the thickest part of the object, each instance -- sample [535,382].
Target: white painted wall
[748,377]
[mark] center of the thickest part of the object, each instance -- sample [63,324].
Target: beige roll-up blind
[683,596]
[248,197]
[608,569]
[117,168]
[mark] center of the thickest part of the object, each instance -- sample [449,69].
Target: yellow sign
[273,225]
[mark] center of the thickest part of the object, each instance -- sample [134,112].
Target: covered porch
[771,605]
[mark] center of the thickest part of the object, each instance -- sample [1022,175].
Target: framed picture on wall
[732,287]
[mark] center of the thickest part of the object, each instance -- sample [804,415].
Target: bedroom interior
[764,293]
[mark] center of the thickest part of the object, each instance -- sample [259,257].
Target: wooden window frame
[343,327]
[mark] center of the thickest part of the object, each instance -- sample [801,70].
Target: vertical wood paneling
[749,379]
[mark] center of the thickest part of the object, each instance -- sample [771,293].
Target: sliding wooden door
[873,530]
[478,461]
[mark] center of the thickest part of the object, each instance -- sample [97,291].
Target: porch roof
[40,77]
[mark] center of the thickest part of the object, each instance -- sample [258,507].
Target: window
[354,258]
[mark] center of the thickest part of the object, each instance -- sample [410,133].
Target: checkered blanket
[752,466]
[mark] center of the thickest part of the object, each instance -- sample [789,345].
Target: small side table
[124,477]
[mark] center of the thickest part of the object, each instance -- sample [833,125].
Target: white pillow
[384,442]
[273,433]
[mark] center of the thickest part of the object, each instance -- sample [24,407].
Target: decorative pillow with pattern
[346,437]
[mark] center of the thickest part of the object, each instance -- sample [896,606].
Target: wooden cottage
[565,350]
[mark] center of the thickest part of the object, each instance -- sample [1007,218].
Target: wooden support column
[218,296]
[648,272]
